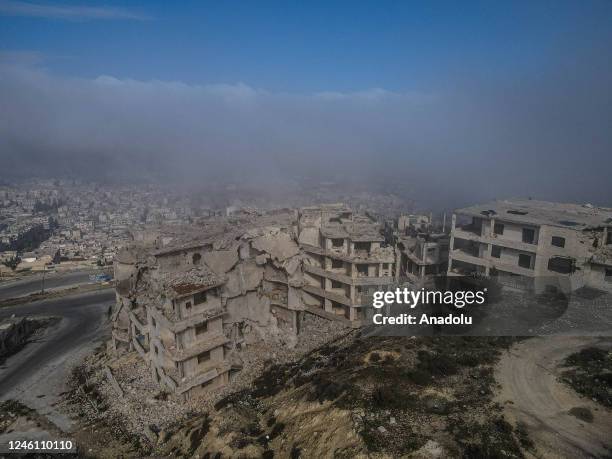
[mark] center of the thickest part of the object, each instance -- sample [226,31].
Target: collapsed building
[534,245]
[423,249]
[346,260]
[189,299]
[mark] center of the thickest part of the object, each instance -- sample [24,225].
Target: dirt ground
[531,392]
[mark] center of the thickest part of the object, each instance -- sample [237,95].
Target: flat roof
[182,283]
[534,212]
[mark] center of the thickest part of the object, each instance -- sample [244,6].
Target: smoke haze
[546,135]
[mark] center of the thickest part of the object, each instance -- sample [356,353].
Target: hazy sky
[471,100]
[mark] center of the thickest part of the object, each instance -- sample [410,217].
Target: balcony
[468,251]
[466,268]
[330,295]
[471,228]
[202,377]
[498,239]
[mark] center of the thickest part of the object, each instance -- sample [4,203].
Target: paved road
[33,283]
[37,374]
[528,376]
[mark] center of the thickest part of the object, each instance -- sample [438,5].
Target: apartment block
[422,255]
[346,260]
[534,245]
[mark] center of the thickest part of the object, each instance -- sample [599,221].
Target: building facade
[534,245]
[346,260]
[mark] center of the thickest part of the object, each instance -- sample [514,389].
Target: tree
[12,263]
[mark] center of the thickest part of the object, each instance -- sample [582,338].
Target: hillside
[358,397]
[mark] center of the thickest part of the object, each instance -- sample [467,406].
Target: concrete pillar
[452,238]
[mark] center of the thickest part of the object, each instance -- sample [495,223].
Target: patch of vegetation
[523,435]
[9,411]
[590,374]
[493,439]
[392,397]
[582,413]
[276,430]
[296,452]
[197,433]
[436,364]
[385,441]
[324,388]
[12,263]
[436,405]
[419,377]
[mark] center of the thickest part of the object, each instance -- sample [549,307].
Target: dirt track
[532,394]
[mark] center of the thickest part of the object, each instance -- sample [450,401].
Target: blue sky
[469,100]
[307,46]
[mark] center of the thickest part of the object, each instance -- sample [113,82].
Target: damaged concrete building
[347,259]
[534,245]
[422,248]
[422,254]
[186,302]
[188,299]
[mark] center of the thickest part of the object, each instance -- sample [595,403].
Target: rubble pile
[98,401]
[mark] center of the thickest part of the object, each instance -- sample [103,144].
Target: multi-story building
[186,339]
[189,299]
[422,255]
[347,259]
[532,244]
[185,300]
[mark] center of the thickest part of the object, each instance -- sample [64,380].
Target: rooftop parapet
[532,212]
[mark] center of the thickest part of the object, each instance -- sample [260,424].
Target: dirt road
[531,393]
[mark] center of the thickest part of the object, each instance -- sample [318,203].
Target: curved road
[33,283]
[37,374]
[532,394]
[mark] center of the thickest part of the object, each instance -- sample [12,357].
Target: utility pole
[42,290]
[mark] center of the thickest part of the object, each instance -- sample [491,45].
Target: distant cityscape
[71,224]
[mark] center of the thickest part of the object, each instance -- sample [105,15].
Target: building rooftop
[354,232]
[181,283]
[532,212]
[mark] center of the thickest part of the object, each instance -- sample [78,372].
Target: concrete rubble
[191,298]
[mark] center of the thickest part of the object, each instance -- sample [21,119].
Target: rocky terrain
[345,395]
[356,397]
[140,418]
